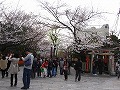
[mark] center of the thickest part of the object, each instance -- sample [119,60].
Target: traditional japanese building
[93,40]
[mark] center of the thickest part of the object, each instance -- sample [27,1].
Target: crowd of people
[9,65]
[36,67]
[99,66]
[48,67]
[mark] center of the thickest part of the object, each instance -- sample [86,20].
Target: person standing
[69,66]
[14,68]
[39,63]
[50,65]
[45,66]
[8,64]
[78,69]
[65,68]
[54,67]
[3,65]
[34,67]
[118,70]
[56,64]
[61,62]
[100,66]
[28,61]
[94,63]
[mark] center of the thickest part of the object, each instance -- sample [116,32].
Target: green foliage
[114,38]
[116,54]
[54,39]
[53,34]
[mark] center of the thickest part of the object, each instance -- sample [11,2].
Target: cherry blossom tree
[18,29]
[74,20]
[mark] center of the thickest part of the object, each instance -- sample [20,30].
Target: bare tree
[74,20]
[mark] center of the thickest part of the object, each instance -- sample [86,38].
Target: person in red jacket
[44,66]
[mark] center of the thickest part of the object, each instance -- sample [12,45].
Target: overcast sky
[111,6]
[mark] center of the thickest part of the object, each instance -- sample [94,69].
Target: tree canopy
[19,30]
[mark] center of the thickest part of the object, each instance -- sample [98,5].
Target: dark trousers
[94,70]
[100,70]
[56,69]
[26,77]
[49,70]
[61,71]
[3,73]
[11,79]
[68,70]
[38,72]
[6,73]
[118,75]
[33,73]
[78,75]
[66,74]
[8,65]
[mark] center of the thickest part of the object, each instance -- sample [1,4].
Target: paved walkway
[88,82]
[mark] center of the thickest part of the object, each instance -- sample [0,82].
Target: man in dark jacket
[49,69]
[34,68]
[78,69]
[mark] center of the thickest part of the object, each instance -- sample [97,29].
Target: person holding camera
[28,61]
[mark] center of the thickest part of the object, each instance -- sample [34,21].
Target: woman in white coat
[14,68]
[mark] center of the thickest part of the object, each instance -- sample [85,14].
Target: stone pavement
[88,82]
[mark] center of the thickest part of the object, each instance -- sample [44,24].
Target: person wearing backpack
[28,61]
